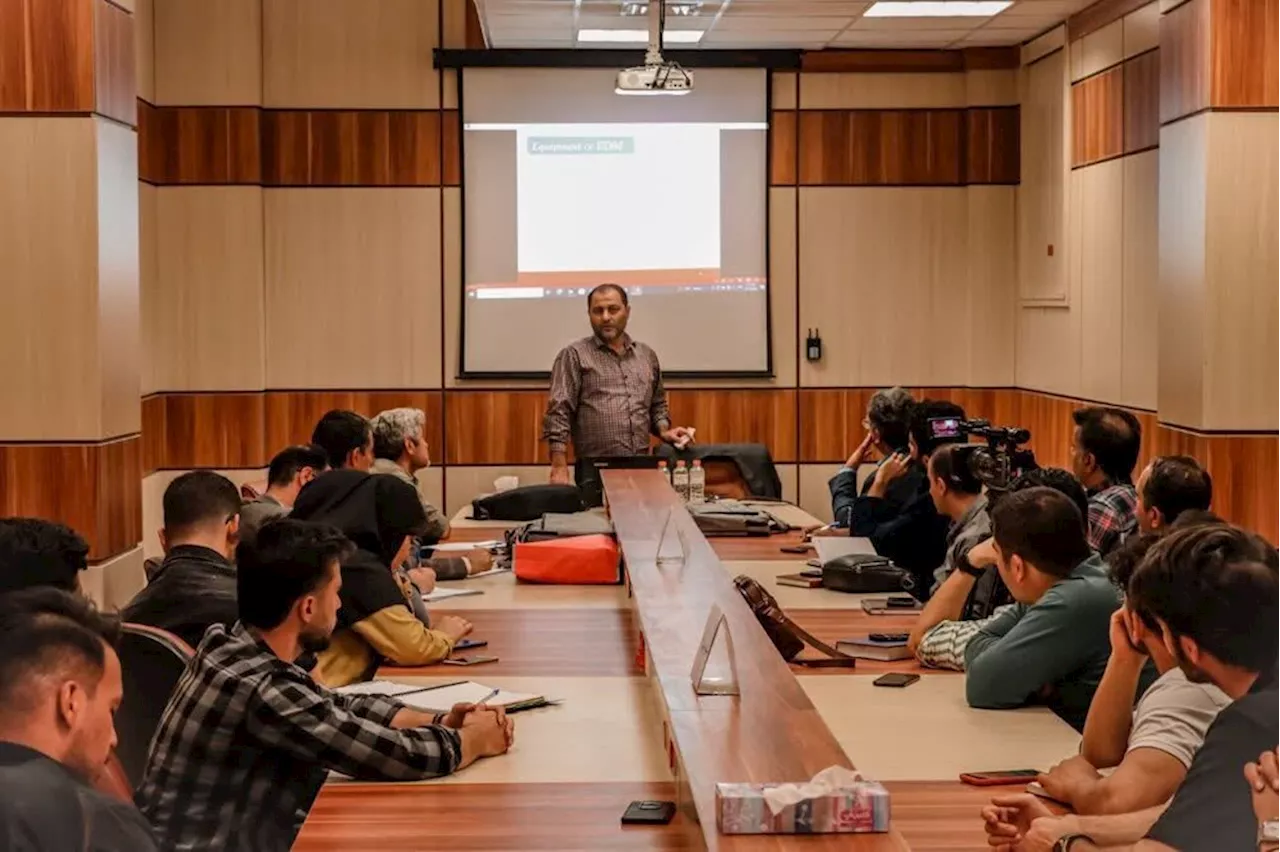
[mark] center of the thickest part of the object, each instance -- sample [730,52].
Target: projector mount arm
[657,18]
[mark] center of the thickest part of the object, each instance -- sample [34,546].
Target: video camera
[1001,461]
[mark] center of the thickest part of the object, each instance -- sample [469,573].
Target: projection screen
[567,185]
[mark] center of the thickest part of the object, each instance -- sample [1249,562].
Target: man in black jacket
[907,528]
[195,586]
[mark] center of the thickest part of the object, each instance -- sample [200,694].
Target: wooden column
[69,412]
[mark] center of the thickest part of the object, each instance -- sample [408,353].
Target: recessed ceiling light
[637,36]
[937,8]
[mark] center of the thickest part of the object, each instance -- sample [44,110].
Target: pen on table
[492,694]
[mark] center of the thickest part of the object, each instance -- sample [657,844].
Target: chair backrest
[151,661]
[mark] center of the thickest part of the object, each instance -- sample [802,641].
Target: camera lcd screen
[944,427]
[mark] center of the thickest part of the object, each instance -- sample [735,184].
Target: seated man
[60,687]
[914,536]
[1169,486]
[377,621]
[1052,646]
[346,438]
[36,552]
[1212,589]
[291,469]
[1104,452]
[195,585]
[1151,745]
[248,737]
[888,422]
[400,450]
[970,597]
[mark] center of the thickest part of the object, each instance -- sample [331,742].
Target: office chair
[151,661]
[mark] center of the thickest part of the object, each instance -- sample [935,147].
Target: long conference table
[630,726]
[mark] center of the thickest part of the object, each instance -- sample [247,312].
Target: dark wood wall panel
[199,145]
[1243,53]
[881,147]
[992,145]
[223,430]
[1142,102]
[495,427]
[92,488]
[740,416]
[1097,117]
[47,55]
[114,63]
[1184,60]
[13,55]
[1243,467]
[782,148]
[908,61]
[351,148]
[292,415]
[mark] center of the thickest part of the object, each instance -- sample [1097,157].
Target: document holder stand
[665,556]
[715,636]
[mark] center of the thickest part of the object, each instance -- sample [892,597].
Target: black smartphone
[795,548]
[468,661]
[649,813]
[889,637]
[464,644]
[812,573]
[900,602]
[895,679]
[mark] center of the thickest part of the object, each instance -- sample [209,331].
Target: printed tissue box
[836,801]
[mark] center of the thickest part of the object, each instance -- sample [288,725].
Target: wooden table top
[557,635]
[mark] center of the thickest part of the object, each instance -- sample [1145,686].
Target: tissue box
[860,808]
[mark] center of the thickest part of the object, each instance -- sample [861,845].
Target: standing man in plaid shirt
[1104,452]
[248,737]
[606,392]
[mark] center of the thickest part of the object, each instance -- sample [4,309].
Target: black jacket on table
[903,526]
[193,588]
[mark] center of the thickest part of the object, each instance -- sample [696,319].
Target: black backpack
[528,503]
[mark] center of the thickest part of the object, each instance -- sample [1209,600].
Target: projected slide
[673,210]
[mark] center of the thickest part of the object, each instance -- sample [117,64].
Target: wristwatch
[1065,843]
[1268,832]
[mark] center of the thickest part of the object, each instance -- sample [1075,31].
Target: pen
[493,694]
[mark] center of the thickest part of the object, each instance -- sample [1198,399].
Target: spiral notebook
[440,698]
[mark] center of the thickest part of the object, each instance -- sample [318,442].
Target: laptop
[590,484]
[833,547]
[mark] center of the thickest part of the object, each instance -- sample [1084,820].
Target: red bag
[576,561]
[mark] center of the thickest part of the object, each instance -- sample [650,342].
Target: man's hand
[1044,833]
[485,733]
[559,474]
[1264,781]
[424,578]
[859,456]
[479,561]
[453,627]
[1123,648]
[1008,819]
[983,554]
[679,436]
[890,469]
[1062,781]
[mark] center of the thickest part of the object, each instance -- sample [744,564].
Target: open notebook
[440,698]
[439,593]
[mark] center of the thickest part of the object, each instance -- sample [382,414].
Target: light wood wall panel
[1097,50]
[205,318]
[352,276]
[1140,308]
[1099,15]
[151,358]
[208,53]
[786,90]
[144,41]
[991,302]
[1241,272]
[1043,45]
[1142,30]
[118,361]
[1097,117]
[1184,60]
[345,54]
[991,88]
[1042,274]
[1101,288]
[909,244]
[346,148]
[49,255]
[111,584]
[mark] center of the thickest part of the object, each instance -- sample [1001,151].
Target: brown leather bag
[787,636]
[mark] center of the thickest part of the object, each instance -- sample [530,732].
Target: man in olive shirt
[606,391]
[1053,645]
[60,686]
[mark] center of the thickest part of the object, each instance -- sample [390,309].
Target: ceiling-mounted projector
[657,76]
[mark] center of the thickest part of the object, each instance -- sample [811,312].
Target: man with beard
[1212,590]
[248,737]
[606,392]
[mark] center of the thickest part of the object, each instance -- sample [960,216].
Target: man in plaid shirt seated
[1104,452]
[248,737]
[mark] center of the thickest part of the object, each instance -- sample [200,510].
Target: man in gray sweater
[1052,646]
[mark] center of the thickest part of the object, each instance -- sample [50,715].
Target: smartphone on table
[896,679]
[468,661]
[649,813]
[999,777]
[466,644]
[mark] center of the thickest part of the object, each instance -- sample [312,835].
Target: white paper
[834,546]
[377,687]
[463,546]
[442,594]
[442,699]
[827,781]
[488,573]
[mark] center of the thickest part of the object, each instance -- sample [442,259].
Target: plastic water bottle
[662,469]
[680,481]
[697,483]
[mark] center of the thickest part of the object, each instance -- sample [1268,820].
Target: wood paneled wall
[1115,112]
